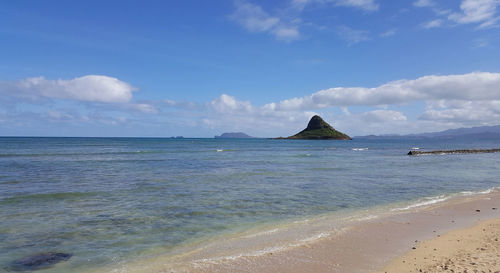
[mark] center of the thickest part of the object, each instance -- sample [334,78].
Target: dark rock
[472,151]
[317,128]
[39,261]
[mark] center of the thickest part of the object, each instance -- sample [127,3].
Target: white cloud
[293,113]
[69,117]
[142,107]
[228,113]
[59,101]
[57,115]
[229,104]
[477,11]
[285,23]
[383,116]
[433,23]
[374,122]
[390,32]
[424,3]
[464,112]
[300,4]
[368,5]
[91,88]
[472,86]
[352,36]
[253,18]
[451,101]
[182,104]
[482,12]
[286,33]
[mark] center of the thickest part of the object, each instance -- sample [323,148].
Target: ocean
[112,201]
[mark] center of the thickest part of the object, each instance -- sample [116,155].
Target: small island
[317,128]
[234,135]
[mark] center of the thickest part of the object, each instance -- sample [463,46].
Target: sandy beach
[475,249]
[458,234]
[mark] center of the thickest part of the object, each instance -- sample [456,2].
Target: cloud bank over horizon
[471,86]
[91,88]
[447,101]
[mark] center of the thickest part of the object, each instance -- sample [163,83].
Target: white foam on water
[467,193]
[441,198]
[215,260]
[219,150]
[369,217]
[260,252]
[426,201]
[315,237]
[266,232]
[359,149]
[415,148]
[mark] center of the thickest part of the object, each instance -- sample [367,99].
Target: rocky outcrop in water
[317,128]
[473,151]
[39,261]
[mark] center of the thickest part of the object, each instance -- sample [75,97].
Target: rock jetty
[317,128]
[472,151]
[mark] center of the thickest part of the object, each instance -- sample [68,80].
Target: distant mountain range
[482,132]
[234,135]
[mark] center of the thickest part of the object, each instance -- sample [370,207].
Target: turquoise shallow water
[106,200]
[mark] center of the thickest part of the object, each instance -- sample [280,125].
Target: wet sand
[371,244]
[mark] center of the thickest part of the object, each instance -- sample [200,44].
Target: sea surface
[108,201]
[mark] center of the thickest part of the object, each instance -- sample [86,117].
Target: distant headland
[474,133]
[234,135]
[317,128]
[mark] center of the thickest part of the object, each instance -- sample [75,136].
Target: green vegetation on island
[317,128]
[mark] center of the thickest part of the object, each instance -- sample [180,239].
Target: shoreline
[364,245]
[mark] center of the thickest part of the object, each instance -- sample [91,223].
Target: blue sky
[200,68]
